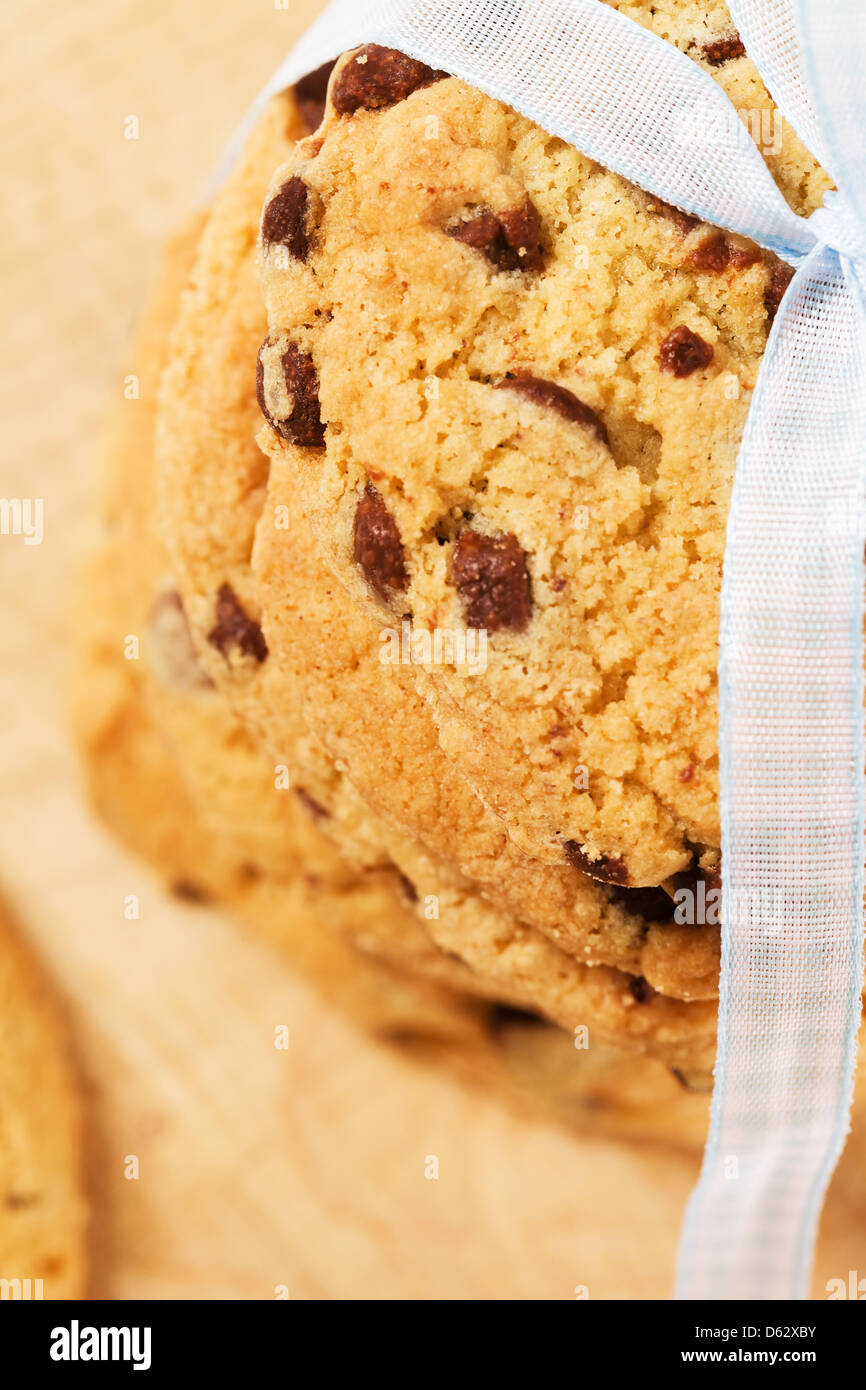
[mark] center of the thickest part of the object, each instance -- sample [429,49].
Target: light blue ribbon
[791,733]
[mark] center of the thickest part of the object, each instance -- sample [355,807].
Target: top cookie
[513,386]
[220,504]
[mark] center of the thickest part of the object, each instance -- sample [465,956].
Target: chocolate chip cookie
[178,778]
[512,388]
[208,462]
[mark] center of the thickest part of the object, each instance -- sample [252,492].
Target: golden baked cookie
[173,773]
[512,387]
[214,493]
[214,483]
[43,1214]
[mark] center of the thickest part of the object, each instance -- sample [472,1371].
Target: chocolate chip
[697,1082]
[20,1201]
[780,279]
[260,385]
[310,94]
[377,78]
[378,549]
[310,804]
[303,425]
[235,628]
[722,50]
[739,257]
[641,991]
[652,904]
[490,575]
[286,219]
[711,254]
[716,253]
[684,352]
[551,396]
[505,1016]
[187,891]
[407,888]
[607,869]
[509,240]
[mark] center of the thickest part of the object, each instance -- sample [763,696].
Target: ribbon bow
[791,665]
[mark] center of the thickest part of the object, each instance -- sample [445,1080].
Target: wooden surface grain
[256,1168]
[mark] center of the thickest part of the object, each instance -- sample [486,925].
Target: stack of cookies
[402,639]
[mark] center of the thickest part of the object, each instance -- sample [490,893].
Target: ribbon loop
[839,225]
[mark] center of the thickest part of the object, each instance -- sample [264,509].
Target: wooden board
[257,1168]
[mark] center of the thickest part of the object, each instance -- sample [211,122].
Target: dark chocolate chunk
[407,888]
[716,253]
[606,869]
[652,904]
[780,279]
[722,50]
[509,240]
[310,94]
[684,352]
[304,423]
[641,991]
[377,78]
[285,221]
[378,549]
[235,628]
[491,577]
[310,804]
[505,1016]
[186,890]
[551,396]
